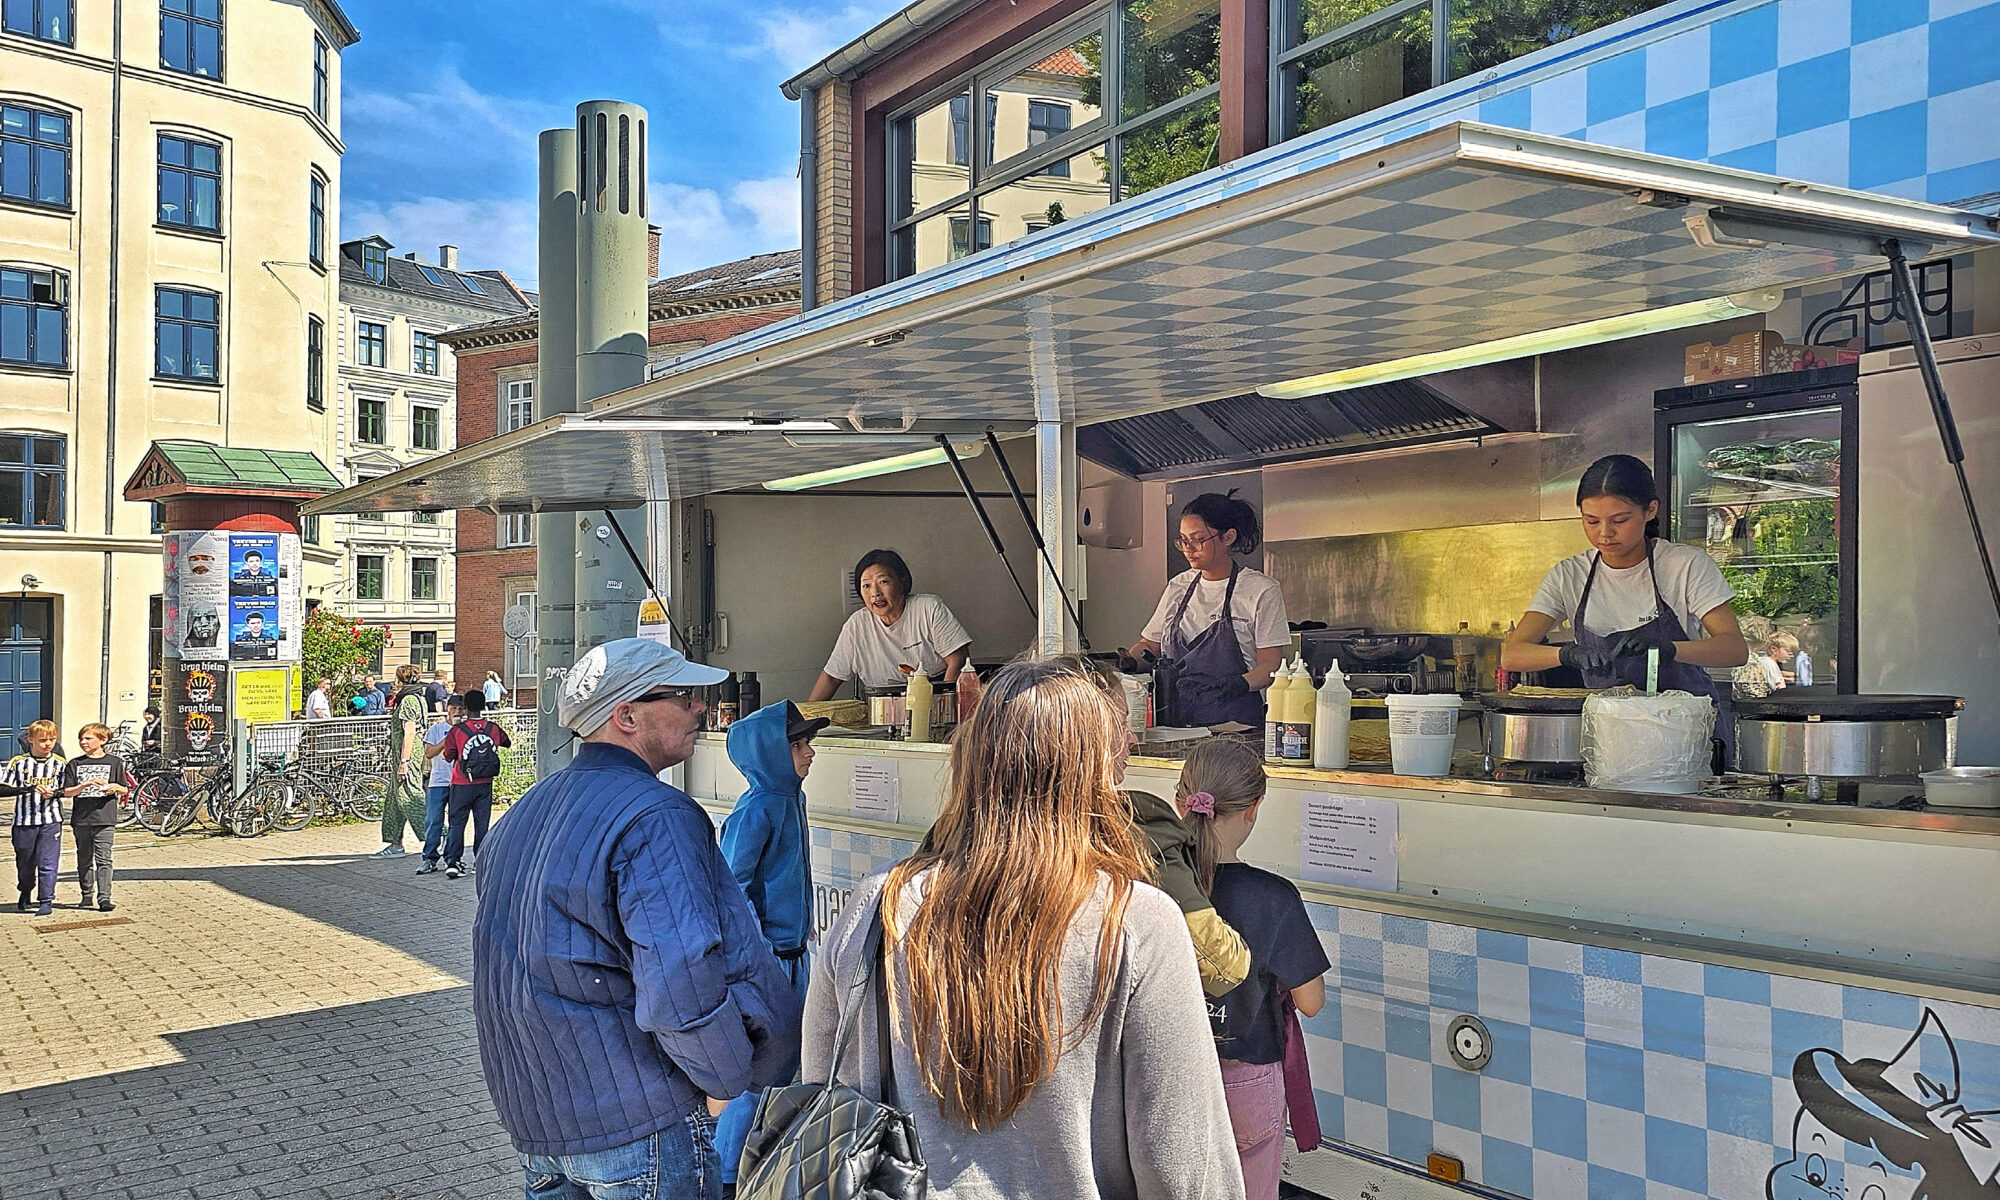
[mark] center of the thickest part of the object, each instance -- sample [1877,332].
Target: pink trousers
[1256,1096]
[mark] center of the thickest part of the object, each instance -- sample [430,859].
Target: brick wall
[483,570]
[834,266]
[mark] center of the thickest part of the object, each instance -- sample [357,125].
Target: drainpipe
[555,392]
[808,198]
[111,493]
[610,348]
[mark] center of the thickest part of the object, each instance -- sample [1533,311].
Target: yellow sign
[263,695]
[653,623]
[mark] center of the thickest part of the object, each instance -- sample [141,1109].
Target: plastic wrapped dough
[1633,742]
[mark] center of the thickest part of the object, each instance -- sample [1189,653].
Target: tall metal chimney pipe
[611,270]
[555,392]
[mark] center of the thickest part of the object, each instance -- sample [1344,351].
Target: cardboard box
[1785,357]
[1738,358]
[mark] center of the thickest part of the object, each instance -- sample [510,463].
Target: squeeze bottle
[968,692]
[1277,706]
[917,703]
[1299,715]
[1332,709]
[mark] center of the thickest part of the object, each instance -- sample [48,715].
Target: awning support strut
[1954,450]
[1035,530]
[992,534]
[648,578]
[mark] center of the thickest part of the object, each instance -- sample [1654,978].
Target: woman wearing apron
[1223,622]
[1632,594]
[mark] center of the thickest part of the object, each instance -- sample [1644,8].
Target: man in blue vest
[623,990]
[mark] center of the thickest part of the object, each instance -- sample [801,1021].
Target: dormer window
[375,261]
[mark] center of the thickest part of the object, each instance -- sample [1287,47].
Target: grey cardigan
[1134,1110]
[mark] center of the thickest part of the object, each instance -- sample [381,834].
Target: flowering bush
[340,649]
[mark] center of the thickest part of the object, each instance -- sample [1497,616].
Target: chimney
[448,257]
[652,252]
[412,256]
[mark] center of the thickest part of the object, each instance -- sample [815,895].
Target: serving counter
[1659,963]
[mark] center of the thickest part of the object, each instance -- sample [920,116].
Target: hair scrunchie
[1201,802]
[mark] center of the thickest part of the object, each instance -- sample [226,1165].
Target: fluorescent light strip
[871,468]
[1548,341]
[711,425]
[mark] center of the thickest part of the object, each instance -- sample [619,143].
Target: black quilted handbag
[827,1141]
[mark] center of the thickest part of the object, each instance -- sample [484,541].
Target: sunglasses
[683,696]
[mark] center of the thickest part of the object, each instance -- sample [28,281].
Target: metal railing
[324,747]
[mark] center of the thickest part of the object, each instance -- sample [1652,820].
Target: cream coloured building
[169,191]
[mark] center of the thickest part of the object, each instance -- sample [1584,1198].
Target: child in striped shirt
[34,780]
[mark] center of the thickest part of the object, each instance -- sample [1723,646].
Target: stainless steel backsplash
[1421,580]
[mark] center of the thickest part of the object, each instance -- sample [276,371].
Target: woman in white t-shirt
[1223,622]
[891,631]
[1632,594]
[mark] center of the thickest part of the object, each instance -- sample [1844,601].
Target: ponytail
[1221,511]
[1624,477]
[1230,777]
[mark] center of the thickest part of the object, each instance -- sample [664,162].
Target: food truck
[1540,988]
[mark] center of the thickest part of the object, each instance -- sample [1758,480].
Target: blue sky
[441,114]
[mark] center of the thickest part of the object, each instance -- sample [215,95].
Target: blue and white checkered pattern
[1891,96]
[1614,1076]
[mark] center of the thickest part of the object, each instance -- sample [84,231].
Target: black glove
[1590,662]
[1127,663]
[1231,687]
[1636,645]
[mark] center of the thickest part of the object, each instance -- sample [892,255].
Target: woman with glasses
[1223,622]
[1047,1027]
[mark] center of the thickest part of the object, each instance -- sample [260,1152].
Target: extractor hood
[1254,431]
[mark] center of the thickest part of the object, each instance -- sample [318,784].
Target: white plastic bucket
[1422,732]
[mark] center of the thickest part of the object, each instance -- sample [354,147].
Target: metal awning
[1308,258]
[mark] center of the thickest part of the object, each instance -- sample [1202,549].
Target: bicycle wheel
[180,814]
[252,813]
[366,796]
[155,798]
[291,803]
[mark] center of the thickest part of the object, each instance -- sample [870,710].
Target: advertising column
[234,621]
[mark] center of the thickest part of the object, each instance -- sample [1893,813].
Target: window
[424,518]
[316,221]
[321,68]
[371,421]
[315,364]
[309,527]
[1337,59]
[34,317]
[190,183]
[191,37]
[367,516]
[472,285]
[49,20]
[424,648]
[1114,103]
[33,467]
[375,261]
[156,517]
[423,427]
[369,576]
[516,529]
[423,578]
[424,353]
[371,343]
[34,156]
[519,398]
[186,332]
[1046,120]
[521,664]
[435,276]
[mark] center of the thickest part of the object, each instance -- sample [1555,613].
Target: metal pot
[1845,737]
[887,706]
[1533,729]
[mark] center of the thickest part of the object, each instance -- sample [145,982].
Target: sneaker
[453,871]
[105,906]
[46,910]
[23,904]
[394,850]
[429,867]
[86,902]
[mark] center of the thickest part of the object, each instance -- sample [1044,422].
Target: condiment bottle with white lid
[917,704]
[1333,707]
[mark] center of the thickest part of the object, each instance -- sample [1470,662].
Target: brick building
[496,393]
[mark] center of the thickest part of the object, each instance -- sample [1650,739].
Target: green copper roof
[207,466]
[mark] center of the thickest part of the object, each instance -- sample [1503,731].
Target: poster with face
[253,564]
[255,621]
[253,629]
[198,594]
[198,707]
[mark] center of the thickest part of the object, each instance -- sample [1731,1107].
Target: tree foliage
[339,648]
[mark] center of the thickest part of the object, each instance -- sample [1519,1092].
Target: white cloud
[699,227]
[800,39]
[775,203]
[450,123]
[496,232]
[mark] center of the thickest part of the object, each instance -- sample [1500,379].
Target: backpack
[479,757]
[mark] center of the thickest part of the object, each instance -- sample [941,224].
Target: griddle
[1881,707]
[1508,702]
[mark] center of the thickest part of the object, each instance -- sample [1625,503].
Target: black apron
[1674,676]
[1211,657]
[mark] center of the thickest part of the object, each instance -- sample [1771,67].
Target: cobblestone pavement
[275,1017]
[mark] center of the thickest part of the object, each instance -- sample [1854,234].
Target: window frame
[363,341]
[436,415]
[59,288]
[418,576]
[315,363]
[322,85]
[424,356]
[373,257]
[362,570]
[511,530]
[220,23]
[371,412]
[32,471]
[1107,127]
[39,9]
[36,144]
[424,649]
[317,192]
[190,172]
[516,393]
[186,323]
[376,516]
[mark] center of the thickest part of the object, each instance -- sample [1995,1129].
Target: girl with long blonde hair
[1046,1014]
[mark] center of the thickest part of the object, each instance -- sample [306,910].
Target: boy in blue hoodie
[768,844]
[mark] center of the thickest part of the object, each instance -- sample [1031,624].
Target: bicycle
[169,802]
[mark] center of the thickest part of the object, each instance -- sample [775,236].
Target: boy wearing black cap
[768,844]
